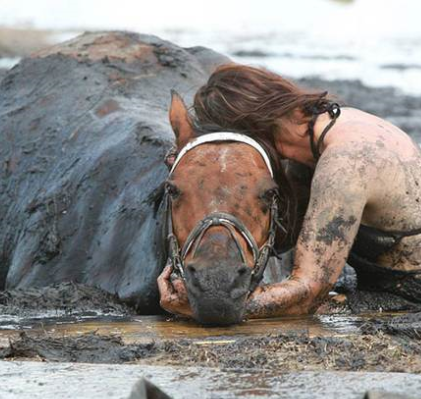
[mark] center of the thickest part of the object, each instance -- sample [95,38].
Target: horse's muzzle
[218,294]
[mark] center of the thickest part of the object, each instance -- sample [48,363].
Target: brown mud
[343,340]
[393,345]
[359,331]
[66,298]
[340,340]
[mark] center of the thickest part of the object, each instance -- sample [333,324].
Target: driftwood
[83,133]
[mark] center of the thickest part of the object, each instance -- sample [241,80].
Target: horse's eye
[172,190]
[268,195]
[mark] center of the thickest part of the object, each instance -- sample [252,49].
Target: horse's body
[83,133]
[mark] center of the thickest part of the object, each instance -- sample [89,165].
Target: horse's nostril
[242,270]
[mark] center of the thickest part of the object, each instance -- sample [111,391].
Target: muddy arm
[338,198]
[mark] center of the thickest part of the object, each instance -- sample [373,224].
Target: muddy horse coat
[83,132]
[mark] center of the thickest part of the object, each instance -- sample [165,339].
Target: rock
[144,389]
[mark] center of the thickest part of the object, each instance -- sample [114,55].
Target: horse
[84,133]
[225,209]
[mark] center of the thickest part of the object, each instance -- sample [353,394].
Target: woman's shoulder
[359,129]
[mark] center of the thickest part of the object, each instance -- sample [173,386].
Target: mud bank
[64,298]
[71,299]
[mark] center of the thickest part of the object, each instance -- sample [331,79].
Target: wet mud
[65,298]
[358,331]
[371,343]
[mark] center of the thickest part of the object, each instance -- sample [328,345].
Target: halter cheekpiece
[177,254]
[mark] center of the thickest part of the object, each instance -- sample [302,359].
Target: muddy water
[252,360]
[142,329]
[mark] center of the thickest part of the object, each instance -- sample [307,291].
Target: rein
[177,255]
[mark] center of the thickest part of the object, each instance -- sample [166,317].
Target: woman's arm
[339,193]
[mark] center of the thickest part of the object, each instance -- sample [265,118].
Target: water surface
[376,41]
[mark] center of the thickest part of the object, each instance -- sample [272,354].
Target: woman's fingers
[179,286]
[166,290]
[164,283]
[166,273]
[173,294]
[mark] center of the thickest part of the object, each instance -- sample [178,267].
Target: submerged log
[83,133]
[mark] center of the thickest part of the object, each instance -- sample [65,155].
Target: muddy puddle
[89,345]
[141,329]
[324,342]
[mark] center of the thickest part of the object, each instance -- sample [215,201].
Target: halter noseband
[261,255]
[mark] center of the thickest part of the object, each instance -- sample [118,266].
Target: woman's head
[252,100]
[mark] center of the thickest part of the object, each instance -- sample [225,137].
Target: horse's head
[222,217]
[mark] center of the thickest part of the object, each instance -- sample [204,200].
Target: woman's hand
[173,294]
[290,297]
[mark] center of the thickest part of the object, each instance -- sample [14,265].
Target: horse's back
[83,134]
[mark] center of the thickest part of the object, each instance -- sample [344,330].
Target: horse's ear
[180,120]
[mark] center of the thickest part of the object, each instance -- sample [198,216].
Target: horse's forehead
[220,155]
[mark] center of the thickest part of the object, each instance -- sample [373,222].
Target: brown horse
[223,216]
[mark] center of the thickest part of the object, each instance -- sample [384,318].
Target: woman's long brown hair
[253,101]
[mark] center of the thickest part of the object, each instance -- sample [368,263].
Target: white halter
[223,136]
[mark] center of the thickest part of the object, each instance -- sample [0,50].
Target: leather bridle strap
[261,255]
[232,224]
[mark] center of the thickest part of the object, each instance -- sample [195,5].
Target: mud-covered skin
[370,173]
[83,133]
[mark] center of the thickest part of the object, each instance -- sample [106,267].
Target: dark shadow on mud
[65,298]
[404,326]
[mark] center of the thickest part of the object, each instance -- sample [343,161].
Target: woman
[365,198]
